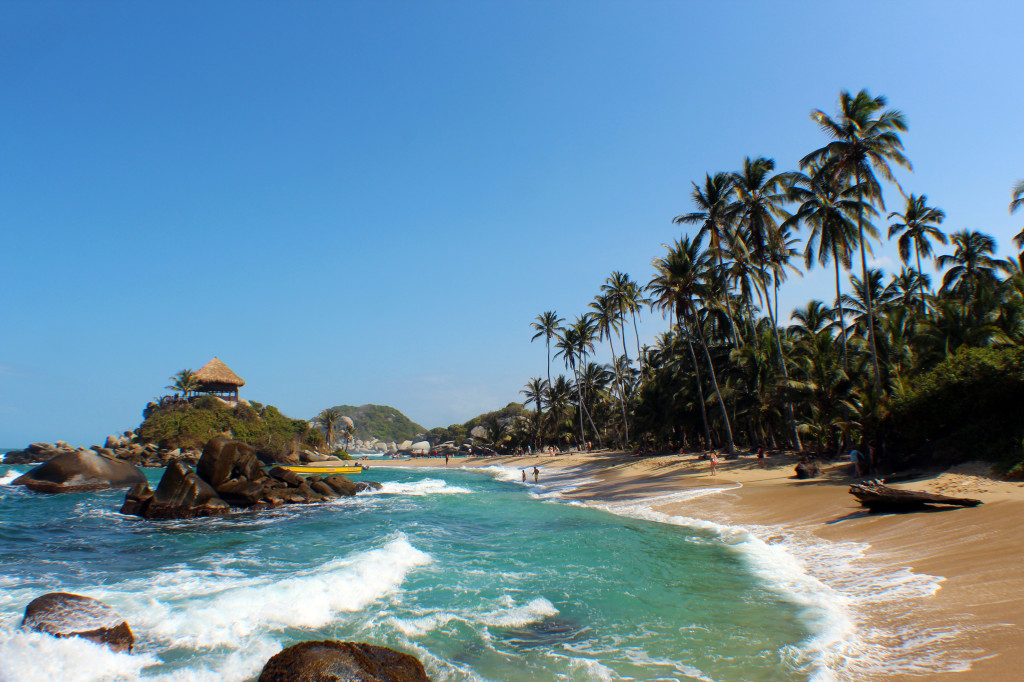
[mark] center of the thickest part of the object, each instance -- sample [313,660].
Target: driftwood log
[878,497]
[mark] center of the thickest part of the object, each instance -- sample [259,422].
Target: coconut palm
[680,282]
[971,265]
[712,214]
[826,208]
[535,390]
[547,326]
[629,296]
[606,317]
[919,223]
[865,140]
[1017,201]
[185,382]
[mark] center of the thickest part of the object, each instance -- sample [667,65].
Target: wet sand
[976,616]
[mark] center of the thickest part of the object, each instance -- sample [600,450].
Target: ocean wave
[32,656]
[836,588]
[426,486]
[8,477]
[506,613]
[204,609]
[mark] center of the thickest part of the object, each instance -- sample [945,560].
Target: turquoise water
[478,576]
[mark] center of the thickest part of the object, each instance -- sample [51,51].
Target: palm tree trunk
[714,382]
[920,277]
[782,363]
[700,390]
[867,287]
[618,383]
[579,396]
[639,355]
[737,339]
[839,300]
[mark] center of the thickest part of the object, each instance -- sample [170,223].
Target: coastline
[934,593]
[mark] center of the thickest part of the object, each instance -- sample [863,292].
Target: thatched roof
[216,372]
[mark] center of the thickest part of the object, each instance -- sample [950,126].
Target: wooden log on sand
[878,497]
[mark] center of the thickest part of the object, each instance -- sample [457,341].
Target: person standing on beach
[714,462]
[536,475]
[446,458]
[524,475]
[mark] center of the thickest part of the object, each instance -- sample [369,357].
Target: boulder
[241,492]
[342,662]
[79,471]
[341,485]
[310,456]
[323,489]
[367,485]
[420,448]
[182,494]
[62,614]
[289,477]
[136,498]
[224,459]
[113,442]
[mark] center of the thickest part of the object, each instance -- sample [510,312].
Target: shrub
[967,407]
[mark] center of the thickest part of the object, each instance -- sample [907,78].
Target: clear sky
[353,202]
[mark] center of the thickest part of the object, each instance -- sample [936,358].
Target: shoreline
[939,591]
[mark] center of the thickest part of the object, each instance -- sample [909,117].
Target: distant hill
[381,421]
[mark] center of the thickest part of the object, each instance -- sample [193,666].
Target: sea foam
[8,478]
[427,486]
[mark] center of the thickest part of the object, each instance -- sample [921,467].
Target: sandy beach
[928,591]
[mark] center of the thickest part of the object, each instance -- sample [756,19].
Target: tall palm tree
[535,390]
[185,382]
[757,206]
[680,282]
[606,317]
[547,326]
[971,265]
[865,140]
[1017,201]
[919,223]
[712,214]
[630,297]
[826,208]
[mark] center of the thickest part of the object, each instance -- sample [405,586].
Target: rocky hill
[381,422]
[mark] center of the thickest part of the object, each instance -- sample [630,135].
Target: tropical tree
[535,390]
[865,140]
[971,265]
[547,326]
[919,223]
[328,420]
[1017,201]
[184,382]
[606,317]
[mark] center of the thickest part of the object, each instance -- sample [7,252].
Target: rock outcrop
[120,447]
[229,474]
[331,661]
[78,471]
[62,614]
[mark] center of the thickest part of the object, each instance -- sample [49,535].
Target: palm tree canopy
[917,224]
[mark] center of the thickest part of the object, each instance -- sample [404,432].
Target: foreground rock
[342,662]
[120,447]
[881,498]
[77,471]
[229,474]
[62,614]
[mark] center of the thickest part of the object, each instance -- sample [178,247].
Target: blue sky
[370,202]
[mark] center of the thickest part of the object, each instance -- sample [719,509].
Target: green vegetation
[379,421]
[932,376]
[190,425]
[507,426]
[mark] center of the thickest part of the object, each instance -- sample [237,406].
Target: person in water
[524,475]
[536,474]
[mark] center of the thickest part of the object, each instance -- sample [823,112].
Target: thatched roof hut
[217,378]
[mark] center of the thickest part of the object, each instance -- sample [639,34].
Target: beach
[936,593]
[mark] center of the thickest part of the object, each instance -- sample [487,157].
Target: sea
[480,576]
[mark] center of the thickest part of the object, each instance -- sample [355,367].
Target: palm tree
[680,281]
[825,207]
[971,265]
[758,202]
[606,317]
[919,222]
[630,299]
[547,325]
[712,214]
[865,139]
[535,390]
[184,381]
[328,420]
[1017,202]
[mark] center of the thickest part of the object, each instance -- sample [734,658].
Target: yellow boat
[325,469]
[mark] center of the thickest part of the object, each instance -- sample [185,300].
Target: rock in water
[181,495]
[81,470]
[62,614]
[342,485]
[224,459]
[342,662]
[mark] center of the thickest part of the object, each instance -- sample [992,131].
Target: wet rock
[342,662]
[181,494]
[367,485]
[323,489]
[241,492]
[224,459]
[341,485]
[62,614]
[79,471]
[136,498]
[289,477]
